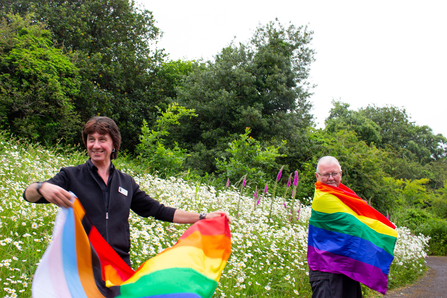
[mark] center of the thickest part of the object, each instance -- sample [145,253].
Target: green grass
[268,257]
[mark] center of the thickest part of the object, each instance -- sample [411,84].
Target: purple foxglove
[295,179]
[279,174]
[290,180]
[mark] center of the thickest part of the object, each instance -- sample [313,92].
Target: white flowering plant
[268,256]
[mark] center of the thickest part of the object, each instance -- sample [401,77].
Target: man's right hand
[52,193]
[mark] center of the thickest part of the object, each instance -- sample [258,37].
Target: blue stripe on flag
[350,246]
[69,257]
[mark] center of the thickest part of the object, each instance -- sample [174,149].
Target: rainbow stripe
[191,268]
[80,263]
[348,236]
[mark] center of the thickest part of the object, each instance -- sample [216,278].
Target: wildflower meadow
[269,232]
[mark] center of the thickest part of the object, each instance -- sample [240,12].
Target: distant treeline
[246,112]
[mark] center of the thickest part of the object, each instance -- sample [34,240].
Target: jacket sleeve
[145,206]
[60,179]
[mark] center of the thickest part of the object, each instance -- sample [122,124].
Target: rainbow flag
[79,263]
[348,236]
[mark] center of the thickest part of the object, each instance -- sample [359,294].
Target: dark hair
[103,125]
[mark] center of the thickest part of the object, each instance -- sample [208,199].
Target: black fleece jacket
[108,206]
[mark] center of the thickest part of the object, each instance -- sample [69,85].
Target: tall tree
[414,152]
[341,117]
[113,42]
[262,85]
[389,127]
[399,131]
[37,83]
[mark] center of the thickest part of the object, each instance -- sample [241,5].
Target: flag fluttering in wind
[348,236]
[79,263]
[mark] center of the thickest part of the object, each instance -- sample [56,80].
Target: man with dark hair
[106,193]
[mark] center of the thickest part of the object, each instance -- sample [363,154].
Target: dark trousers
[330,285]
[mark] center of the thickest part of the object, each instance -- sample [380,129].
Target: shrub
[248,157]
[421,221]
[152,149]
[437,230]
[411,218]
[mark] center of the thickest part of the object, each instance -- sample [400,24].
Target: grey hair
[328,160]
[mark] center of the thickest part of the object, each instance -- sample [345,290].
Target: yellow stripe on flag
[182,257]
[328,203]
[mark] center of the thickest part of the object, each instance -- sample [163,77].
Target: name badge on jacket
[122,191]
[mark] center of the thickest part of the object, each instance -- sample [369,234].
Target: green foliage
[414,193]
[170,75]
[38,83]
[152,150]
[398,131]
[411,217]
[113,46]
[261,85]
[437,230]
[362,167]
[422,221]
[246,156]
[342,118]
[99,58]
[413,152]
[439,203]
[389,127]
[267,258]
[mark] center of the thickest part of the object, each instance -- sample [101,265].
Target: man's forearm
[31,193]
[182,216]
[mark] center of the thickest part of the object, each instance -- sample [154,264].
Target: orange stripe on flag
[84,255]
[213,246]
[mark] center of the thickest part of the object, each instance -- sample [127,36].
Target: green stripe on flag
[348,224]
[174,280]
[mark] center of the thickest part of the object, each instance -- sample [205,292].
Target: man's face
[99,148]
[326,173]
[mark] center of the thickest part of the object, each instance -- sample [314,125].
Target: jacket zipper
[106,202]
[109,181]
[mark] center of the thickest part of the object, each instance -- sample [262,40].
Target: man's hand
[181,216]
[56,195]
[215,214]
[52,193]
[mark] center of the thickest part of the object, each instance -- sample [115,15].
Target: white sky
[368,52]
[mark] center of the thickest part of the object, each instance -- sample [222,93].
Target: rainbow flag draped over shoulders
[79,263]
[348,236]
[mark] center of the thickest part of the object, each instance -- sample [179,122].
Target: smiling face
[99,148]
[326,172]
[102,126]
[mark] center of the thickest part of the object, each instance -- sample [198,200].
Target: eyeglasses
[327,176]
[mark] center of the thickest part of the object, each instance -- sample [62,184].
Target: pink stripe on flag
[49,279]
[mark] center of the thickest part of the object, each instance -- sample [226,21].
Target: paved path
[432,284]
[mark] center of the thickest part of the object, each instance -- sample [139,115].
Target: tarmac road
[432,284]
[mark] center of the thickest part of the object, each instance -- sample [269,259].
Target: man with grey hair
[327,284]
[329,171]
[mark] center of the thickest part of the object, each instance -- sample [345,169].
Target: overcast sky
[368,52]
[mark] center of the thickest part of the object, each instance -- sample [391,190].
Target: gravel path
[432,284]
